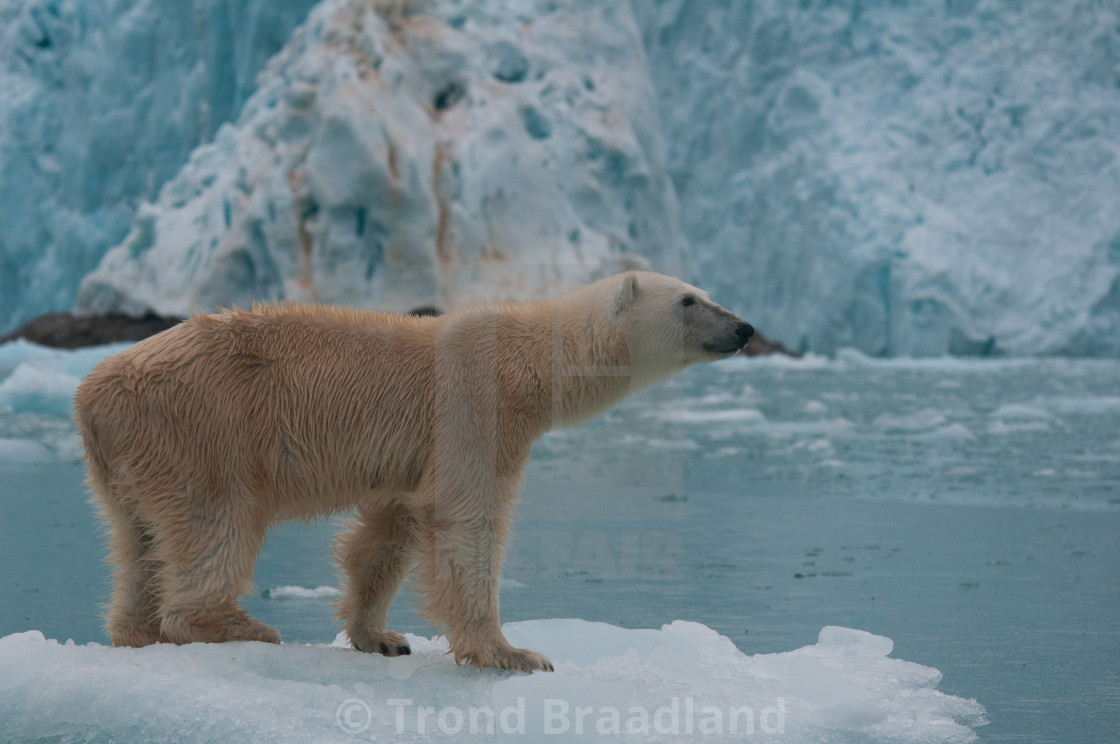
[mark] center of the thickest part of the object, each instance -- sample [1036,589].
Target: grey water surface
[968,510]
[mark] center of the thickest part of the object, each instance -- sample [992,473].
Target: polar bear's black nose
[744,332]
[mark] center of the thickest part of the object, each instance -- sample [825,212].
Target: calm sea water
[968,510]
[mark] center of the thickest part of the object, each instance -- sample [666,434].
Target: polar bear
[198,439]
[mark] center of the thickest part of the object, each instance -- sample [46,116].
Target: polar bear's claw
[509,659]
[385,642]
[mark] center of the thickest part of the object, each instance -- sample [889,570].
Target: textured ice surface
[683,682]
[906,178]
[911,177]
[101,103]
[399,158]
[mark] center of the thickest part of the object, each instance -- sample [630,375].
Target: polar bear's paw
[508,658]
[215,626]
[122,633]
[384,642]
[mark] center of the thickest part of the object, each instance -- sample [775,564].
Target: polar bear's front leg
[460,568]
[481,432]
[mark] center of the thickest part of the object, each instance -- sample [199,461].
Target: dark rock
[761,346]
[65,331]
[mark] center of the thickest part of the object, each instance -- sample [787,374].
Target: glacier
[100,104]
[416,154]
[683,682]
[917,177]
[905,178]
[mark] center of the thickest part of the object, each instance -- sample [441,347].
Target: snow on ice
[683,682]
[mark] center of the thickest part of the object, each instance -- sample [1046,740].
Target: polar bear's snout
[732,334]
[744,331]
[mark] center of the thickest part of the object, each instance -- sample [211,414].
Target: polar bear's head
[668,324]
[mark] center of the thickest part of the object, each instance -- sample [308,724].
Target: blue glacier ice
[100,104]
[397,157]
[916,177]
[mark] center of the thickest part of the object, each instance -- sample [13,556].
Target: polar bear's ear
[626,293]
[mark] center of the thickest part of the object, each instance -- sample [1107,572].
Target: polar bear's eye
[688,300]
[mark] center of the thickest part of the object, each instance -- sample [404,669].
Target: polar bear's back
[288,402]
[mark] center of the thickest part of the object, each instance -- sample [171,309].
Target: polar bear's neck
[587,363]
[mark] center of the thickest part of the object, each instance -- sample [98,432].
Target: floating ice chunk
[752,421]
[722,398]
[836,640]
[24,451]
[75,362]
[684,682]
[999,427]
[834,427]
[1083,405]
[1021,412]
[804,362]
[850,357]
[691,416]
[301,592]
[37,388]
[952,432]
[919,421]
[673,444]
[819,446]
[330,592]
[14,352]
[1016,418]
